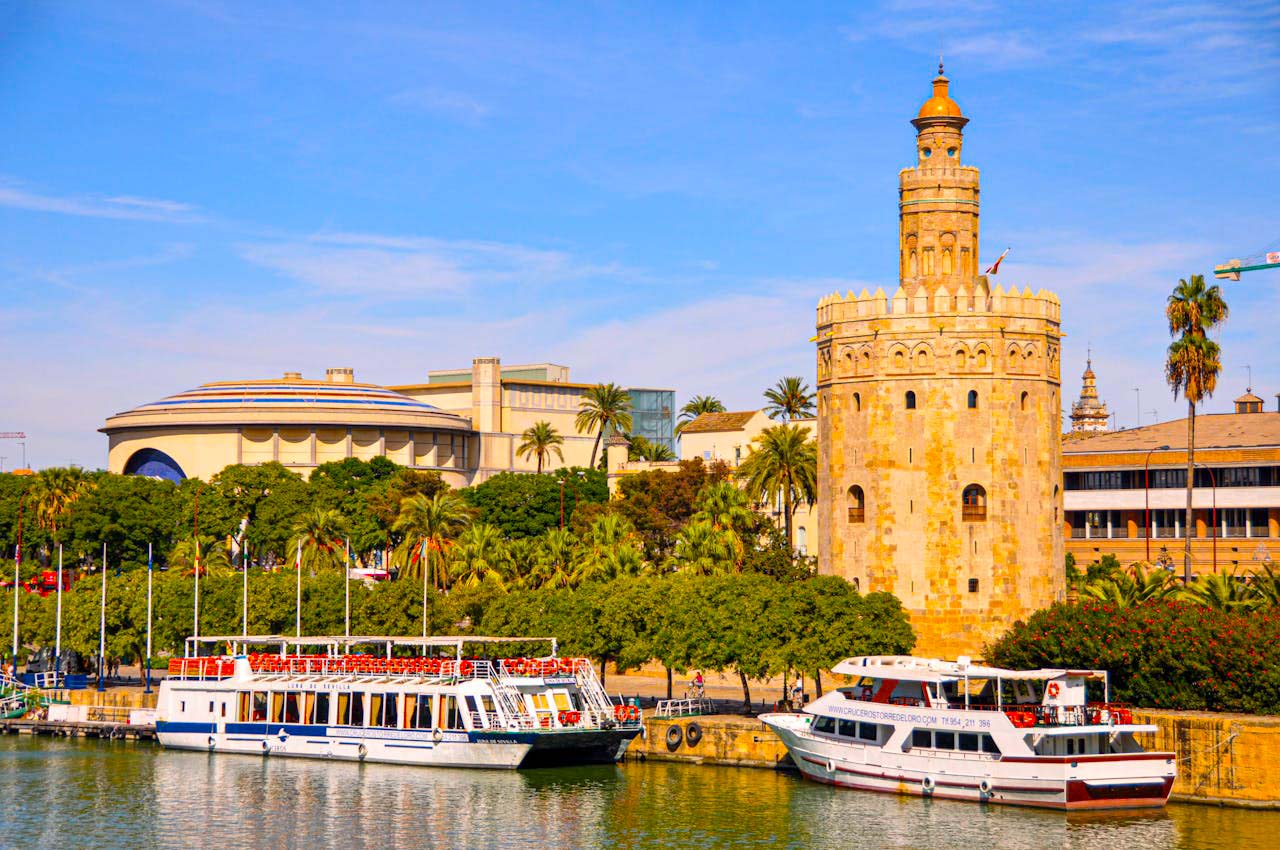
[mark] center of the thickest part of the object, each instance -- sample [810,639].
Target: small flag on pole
[995,267]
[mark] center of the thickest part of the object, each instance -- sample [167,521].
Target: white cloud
[126,207]
[450,103]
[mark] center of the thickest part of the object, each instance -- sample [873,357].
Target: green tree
[321,533]
[695,407]
[52,495]
[127,512]
[429,524]
[382,506]
[258,504]
[539,441]
[603,406]
[528,505]
[609,550]
[1123,588]
[557,555]
[349,487]
[703,549]
[659,502]
[212,553]
[1222,591]
[727,508]
[783,464]
[789,399]
[479,556]
[640,448]
[1192,366]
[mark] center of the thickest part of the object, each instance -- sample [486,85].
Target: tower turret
[938,199]
[1088,413]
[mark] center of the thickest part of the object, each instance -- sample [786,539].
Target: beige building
[465,424]
[938,419]
[1126,492]
[727,437]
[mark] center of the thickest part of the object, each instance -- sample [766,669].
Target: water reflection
[81,793]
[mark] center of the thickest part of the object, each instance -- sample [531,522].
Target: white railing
[683,707]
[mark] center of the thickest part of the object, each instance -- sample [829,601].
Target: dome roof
[1248,397]
[288,392]
[940,105]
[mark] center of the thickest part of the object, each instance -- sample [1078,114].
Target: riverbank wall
[1223,759]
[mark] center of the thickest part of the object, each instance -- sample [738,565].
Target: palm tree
[214,559]
[321,532]
[479,556]
[783,464]
[727,508]
[1192,367]
[608,550]
[1223,591]
[556,556]
[428,524]
[541,440]
[53,493]
[1124,589]
[603,406]
[522,553]
[695,407]
[640,448]
[1266,582]
[703,549]
[789,399]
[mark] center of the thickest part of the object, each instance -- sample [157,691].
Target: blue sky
[653,194]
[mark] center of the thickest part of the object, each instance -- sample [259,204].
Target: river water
[85,793]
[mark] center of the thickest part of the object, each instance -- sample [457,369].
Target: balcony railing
[973,513]
[857,515]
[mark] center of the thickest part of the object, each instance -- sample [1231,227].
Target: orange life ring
[466,668]
[1053,689]
[561,717]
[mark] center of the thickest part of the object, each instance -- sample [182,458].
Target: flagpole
[244,580]
[57,629]
[148,690]
[346,584]
[426,568]
[298,600]
[17,573]
[102,623]
[195,616]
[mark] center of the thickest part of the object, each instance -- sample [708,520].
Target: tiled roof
[709,422]
[1213,431]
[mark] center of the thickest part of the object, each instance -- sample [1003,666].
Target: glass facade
[653,416]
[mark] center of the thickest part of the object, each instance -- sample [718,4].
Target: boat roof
[348,641]
[934,670]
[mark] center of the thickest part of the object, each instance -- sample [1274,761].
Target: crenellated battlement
[964,300]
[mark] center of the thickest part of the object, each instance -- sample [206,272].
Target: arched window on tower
[972,402]
[857,401]
[946,261]
[973,507]
[857,505]
[910,400]
[928,261]
[1023,401]
[912,265]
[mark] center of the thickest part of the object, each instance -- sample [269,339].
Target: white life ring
[437,735]
[266,747]
[212,742]
[831,766]
[985,787]
[927,783]
[362,750]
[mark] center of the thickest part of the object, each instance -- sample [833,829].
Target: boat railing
[201,669]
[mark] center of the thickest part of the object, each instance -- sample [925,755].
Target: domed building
[297,422]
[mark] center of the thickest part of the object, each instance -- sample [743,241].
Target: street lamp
[1146,492]
[580,476]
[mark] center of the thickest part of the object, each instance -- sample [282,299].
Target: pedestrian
[797,693]
[699,685]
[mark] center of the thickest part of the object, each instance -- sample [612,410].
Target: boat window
[426,711]
[1071,746]
[308,706]
[848,729]
[390,715]
[944,740]
[344,709]
[921,738]
[375,709]
[472,710]
[277,706]
[968,742]
[211,706]
[291,714]
[562,700]
[243,699]
[989,745]
[321,715]
[487,702]
[259,707]
[868,731]
[824,724]
[451,718]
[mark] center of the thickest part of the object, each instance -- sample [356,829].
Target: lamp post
[149,594]
[580,476]
[1146,494]
[17,573]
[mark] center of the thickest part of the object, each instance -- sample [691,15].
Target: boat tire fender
[437,735]
[266,748]
[693,734]
[212,742]
[674,737]
[985,787]
[363,751]
[928,784]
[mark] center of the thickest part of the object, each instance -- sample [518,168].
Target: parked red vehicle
[45,583]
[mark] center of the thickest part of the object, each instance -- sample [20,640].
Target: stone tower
[1088,414]
[938,419]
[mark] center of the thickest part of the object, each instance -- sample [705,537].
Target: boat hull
[1128,781]
[428,748]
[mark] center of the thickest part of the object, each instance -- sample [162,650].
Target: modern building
[728,437]
[1089,414]
[297,422]
[1126,492]
[466,424]
[939,438]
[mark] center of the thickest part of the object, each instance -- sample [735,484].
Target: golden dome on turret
[940,105]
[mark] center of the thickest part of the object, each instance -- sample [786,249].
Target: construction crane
[1231,269]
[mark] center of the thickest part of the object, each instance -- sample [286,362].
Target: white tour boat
[960,731]
[423,708]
